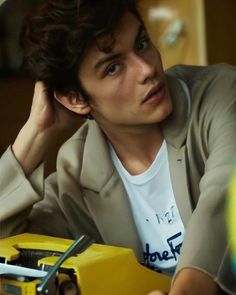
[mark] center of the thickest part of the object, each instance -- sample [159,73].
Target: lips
[155,94]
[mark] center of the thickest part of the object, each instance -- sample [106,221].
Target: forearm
[30,147]
[47,120]
[18,194]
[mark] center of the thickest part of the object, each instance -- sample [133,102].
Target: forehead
[124,34]
[127,27]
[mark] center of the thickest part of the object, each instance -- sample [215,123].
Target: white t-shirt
[155,211]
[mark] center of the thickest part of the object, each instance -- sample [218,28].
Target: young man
[149,170]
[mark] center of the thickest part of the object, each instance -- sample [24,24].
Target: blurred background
[196,32]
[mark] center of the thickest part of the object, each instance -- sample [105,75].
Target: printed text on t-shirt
[171,253]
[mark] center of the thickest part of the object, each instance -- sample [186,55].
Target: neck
[137,147]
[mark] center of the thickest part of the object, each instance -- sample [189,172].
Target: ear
[73,101]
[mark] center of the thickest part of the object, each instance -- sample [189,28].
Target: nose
[144,68]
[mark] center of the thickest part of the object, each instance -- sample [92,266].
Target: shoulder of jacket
[190,73]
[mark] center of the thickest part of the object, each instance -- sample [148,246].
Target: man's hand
[48,118]
[192,282]
[47,113]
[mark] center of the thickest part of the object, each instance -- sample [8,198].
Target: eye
[143,43]
[113,69]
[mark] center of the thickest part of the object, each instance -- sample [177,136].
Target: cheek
[127,85]
[106,96]
[115,91]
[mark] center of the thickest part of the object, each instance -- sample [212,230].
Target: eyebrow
[113,56]
[106,59]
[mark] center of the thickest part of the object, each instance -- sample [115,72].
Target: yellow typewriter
[35,264]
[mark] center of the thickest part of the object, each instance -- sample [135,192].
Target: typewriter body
[33,264]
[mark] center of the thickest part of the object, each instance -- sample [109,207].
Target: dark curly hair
[56,35]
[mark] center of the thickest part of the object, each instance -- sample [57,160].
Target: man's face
[127,86]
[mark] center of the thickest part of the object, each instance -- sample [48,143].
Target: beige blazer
[86,195]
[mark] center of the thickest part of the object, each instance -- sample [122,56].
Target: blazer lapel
[175,132]
[105,195]
[178,173]
[112,214]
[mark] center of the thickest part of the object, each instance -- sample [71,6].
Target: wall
[207,32]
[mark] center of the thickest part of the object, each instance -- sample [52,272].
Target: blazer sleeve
[22,203]
[207,246]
